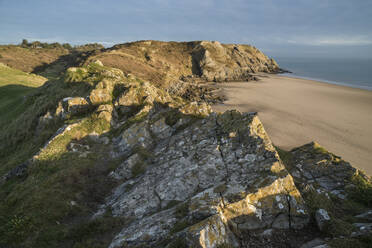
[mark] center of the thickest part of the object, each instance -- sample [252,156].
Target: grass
[179,226]
[36,210]
[29,59]
[319,149]
[362,193]
[178,243]
[138,169]
[31,207]
[14,86]
[360,242]
[285,156]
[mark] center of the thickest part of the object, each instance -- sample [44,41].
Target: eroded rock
[221,170]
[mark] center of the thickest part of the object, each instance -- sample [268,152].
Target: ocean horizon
[355,73]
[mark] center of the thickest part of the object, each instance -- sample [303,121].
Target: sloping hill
[27,59]
[49,60]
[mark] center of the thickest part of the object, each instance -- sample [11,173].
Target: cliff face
[230,62]
[106,159]
[221,170]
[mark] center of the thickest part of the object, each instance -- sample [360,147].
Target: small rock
[363,226]
[267,233]
[281,222]
[322,218]
[313,243]
[97,62]
[367,215]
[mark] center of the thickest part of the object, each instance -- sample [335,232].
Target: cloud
[351,40]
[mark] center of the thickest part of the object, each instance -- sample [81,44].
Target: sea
[356,73]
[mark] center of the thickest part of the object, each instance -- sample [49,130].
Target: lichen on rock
[227,179]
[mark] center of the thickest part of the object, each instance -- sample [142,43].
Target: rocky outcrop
[314,168]
[337,194]
[168,63]
[230,62]
[204,181]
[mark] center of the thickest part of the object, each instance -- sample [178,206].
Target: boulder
[75,105]
[102,93]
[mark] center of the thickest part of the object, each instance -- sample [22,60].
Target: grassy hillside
[14,86]
[27,59]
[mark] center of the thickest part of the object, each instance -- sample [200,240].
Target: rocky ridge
[171,173]
[180,67]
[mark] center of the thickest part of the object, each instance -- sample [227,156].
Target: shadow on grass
[12,101]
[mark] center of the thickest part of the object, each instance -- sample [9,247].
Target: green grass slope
[14,85]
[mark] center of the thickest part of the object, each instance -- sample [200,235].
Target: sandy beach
[296,111]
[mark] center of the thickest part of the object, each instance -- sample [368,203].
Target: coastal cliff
[103,157]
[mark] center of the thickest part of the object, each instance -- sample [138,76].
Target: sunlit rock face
[230,62]
[200,181]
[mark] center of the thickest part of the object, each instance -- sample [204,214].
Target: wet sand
[297,111]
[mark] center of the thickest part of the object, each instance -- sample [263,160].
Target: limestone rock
[206,181]
[97,62]
[139,94]
[313,243]
[195,108]
[135,137]
[160,129]
[211,232]
[324,171]
[363,227]
[366,215]
[222,62]
[99,96]
[75,105]
[322,219]
[113,73]
[106,112]
[124,171]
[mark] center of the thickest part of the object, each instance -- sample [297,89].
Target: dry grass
[155,61]
[27,59]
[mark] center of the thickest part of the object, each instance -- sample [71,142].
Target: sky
[284,28]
